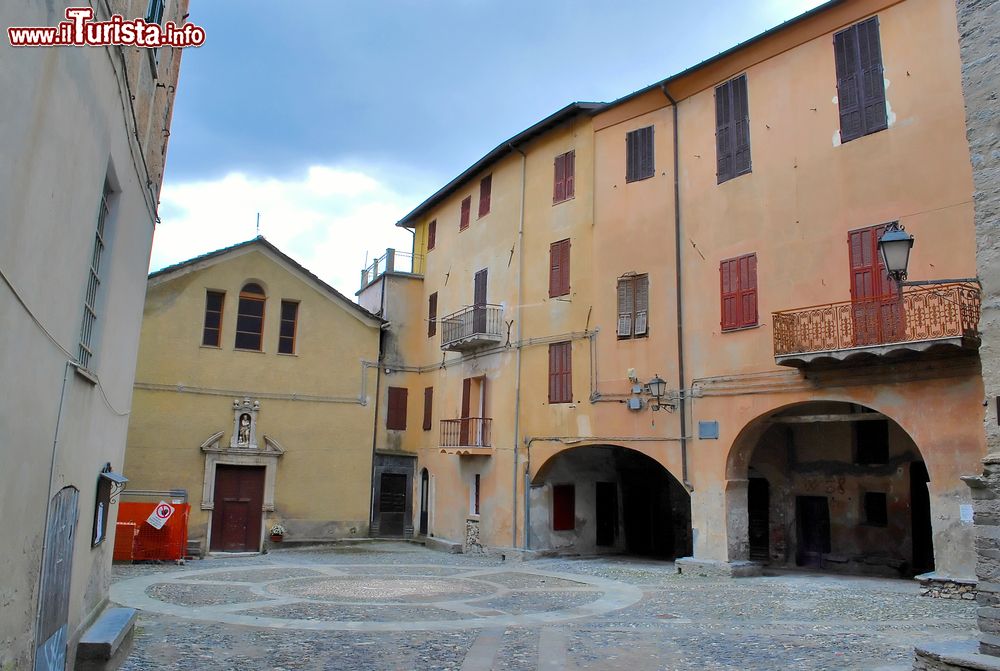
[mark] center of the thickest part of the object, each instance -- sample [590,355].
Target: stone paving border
[133,592]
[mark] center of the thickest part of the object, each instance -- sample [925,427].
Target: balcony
[940,318]
[476,326]
[467,436]
[392,261]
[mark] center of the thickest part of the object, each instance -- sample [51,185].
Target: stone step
[100,644]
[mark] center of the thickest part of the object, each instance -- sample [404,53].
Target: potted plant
[277,533]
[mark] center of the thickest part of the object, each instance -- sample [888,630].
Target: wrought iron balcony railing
[472,327]
[925,313]
[466,432]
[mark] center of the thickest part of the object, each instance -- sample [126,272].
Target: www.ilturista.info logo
[80,30]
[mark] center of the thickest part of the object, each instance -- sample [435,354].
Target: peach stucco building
[716,231]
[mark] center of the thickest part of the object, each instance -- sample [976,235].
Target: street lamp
[657,388]
[894,246]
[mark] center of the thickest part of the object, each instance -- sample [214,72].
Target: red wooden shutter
[395,418]
[729,280]
[485,190]
[563,507]
[431,234]
[564,268]
[432,308]
[570,174]
[864,272]
[428,405]
[748,290]
[723,133]
[559,181]
[463,222]
[873,112]
[560,373]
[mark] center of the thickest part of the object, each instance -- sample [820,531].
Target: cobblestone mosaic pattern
[305,610]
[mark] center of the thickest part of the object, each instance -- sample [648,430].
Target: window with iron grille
[633,306]
[485,193]
[250,318]
[563,186]
[860,83]
[732,129]
[212,333]
[289,327]
[639,154]
[474,503]
[85,353]
[561,372]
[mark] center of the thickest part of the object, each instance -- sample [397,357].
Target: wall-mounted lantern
[894,246]
[657,388]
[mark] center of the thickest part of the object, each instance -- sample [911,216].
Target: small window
[432,234]
[463,222]
[428,407]
[395,417]
[738,279]
[860,83]
[563,507]
[101,507]
[563,185]
[872,441]
[432,309]
[289,327]
[633,306]
[559,268]
[485,191]
[154,11]
[94,278]
[876,512]
[732,129]
[561,372]
[474,503]
[212,333]
[639,154]
[250,318]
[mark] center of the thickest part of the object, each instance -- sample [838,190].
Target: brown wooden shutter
[570,174]
[748,290]
[432,308]
[485,192]
[641,283]
[563,507]
[723,133]
[559,268]
[873,112]
[625,306]
[647,166]
[729,279]
[740,126]
[559,180]
[395,418]
[428,405]
[463,222]
[639,162]
[431,234]
[560,373]
[845,49]
[464,423]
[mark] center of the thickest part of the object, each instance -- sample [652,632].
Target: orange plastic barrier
[168,543]
[125,533]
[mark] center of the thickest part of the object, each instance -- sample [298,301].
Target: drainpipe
[682,395]
[517,378]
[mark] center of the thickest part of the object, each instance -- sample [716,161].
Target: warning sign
[161,513]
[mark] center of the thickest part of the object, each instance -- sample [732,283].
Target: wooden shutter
[845,49]
[873,112]
[863,258]
[428,405]
[559,180]
[723,133]
[748,290]
[563,507]
[646,165]
[729,280]
[570,174]
[395,418]
[740,126]
[479,287]
[560,373]
[625,303]
[432,307]
[464,432]
[485,192]
[463,222]
[559,268]
[639,154]
[641,283]
[431,234]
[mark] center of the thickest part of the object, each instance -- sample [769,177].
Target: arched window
[250,317]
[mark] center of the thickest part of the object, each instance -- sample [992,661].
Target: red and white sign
[160,515]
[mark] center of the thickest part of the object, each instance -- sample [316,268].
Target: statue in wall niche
[244,437]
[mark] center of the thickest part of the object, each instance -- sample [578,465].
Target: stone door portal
[239,499]
[392,504]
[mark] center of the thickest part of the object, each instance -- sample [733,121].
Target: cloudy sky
[333,119]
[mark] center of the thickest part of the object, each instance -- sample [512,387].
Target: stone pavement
[399,606]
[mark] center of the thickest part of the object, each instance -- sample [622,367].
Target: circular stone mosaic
[370,598]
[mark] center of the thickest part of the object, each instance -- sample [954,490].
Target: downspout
[517,377]
[682,394]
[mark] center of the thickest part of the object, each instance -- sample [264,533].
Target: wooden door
[464,424]
[607,513]
[479,303]
[758,505]
[392,504]
[57,570]
[239,503]
[813,527]
[877,307]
